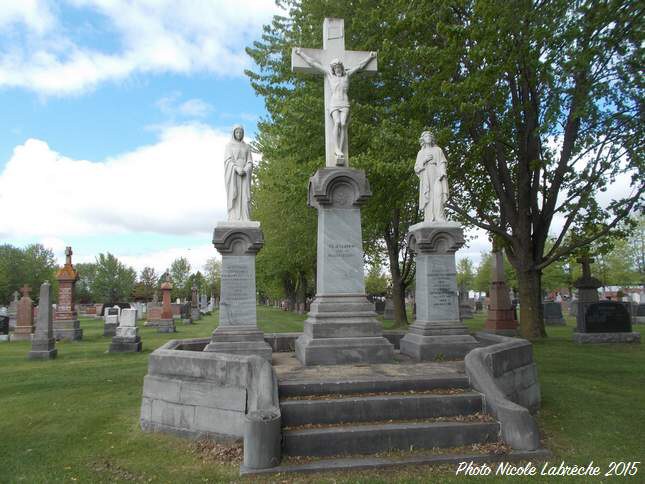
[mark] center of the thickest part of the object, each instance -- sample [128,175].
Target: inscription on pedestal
[436,296]
[237,304]
[340,257]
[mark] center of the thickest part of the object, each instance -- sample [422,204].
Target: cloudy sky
[114,118]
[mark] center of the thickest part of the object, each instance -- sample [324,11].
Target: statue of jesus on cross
[337,76]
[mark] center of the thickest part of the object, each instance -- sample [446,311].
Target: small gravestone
[111,321]
[43,344]
[640,314]
[573,307]
[607,322]
[479,305]
[24,316]
[195,314]
[127,338]
[4,327]
[379,306]
[13,309]
[553,313]
[388,310]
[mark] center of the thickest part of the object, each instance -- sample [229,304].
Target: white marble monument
[238,241]
[127,338]
[437,331]
[342,325]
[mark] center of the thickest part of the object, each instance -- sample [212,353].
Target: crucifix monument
[66,323]
[587,287]
[342,326]
[337,65]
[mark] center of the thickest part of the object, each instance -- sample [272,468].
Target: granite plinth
[165,325]
[43,344]
[69,330]
[342,327]
[600,338]
[238,333]
[125,345]
[438,331]
[43,351]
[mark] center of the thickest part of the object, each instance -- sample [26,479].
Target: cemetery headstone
[195,314]
[4,327]
[166,322]
[587,292]
[126,339]
[388,310]
[607,322]
[66,323]
[43,344]
[111,320]
[13,310]
[501,315]
[553,313]
[465,309]
[24,316]
[640,314]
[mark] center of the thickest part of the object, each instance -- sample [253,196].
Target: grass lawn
[75,419]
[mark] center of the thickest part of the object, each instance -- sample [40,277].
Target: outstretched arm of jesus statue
[361,65]
[311,61]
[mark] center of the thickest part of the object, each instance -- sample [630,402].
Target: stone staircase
[328,418]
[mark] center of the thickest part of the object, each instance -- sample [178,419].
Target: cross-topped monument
[337,65]
[68,256]
[585,261]
[25,290]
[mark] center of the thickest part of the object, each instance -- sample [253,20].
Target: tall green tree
[113,281]
[465,273]
[213,276]
[32,266]
[180,273]
[84,285]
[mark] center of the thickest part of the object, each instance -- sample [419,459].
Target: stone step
[380,407]
[358,463]
[385,384]
[369,439]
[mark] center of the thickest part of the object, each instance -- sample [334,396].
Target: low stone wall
[195,393]
[286,342]
[504,371]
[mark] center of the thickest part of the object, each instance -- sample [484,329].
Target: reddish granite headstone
[24,316]
[66,324]
[501,315]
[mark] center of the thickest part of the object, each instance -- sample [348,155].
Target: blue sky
[115,115]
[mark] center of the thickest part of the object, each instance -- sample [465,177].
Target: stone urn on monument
[437,331]
[342,326]
[238,240]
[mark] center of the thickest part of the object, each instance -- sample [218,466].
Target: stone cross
[586,265]
[333,48]
[25,290]
[68,256]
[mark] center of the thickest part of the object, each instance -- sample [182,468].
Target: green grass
[76,418]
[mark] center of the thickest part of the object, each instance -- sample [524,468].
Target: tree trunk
[531,314]
[398,291]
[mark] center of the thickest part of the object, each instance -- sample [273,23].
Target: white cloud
[174,186]
[195,108]
[171,105]
[179,36]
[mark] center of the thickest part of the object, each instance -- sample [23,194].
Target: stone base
[165,326]
[43,350]
[429,341]
[465,311]
[638,320]
[187,321]
[240,340]
[600,338]
[69,330]
[554,322]
[501,332]
[19,335]
[195,314]
[109,329]
[342,330]
[125,345]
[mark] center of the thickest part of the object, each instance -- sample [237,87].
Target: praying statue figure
[338,78]
[238,165]
[430,167]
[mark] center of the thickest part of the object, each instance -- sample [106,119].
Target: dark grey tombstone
[379,307]
[553,313]
[4,324]
[388,311]
[640,314]
[608,317]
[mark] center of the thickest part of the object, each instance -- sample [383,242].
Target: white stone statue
[430,167]
[338,78]
[238,166]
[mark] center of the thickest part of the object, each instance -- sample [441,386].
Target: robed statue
[430,167]
[238,166]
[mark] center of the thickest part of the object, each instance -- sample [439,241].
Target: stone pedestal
[195,315]
[238,332]
[501,315]
[166,321]
[127,338]
[66,324]
[111,320]
[437,331]
[342,326]
[24,317]
[43,344]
